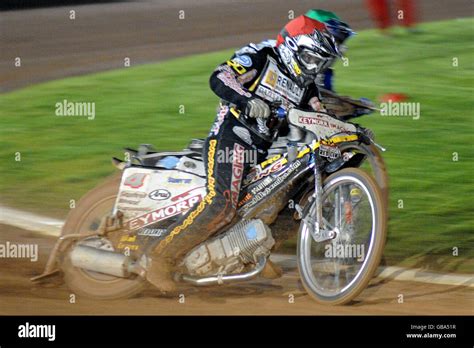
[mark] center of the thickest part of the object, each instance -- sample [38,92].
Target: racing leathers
[234,143]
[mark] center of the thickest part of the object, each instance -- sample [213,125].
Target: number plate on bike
[330,152]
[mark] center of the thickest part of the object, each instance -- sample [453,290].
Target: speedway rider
[283,70]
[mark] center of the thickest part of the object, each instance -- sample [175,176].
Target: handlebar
[276,110]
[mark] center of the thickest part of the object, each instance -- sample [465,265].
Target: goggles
[312,60]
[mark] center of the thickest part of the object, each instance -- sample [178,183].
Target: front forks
[318,196]
[314,218]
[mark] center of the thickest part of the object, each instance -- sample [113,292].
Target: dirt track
[19,296]
[52,46]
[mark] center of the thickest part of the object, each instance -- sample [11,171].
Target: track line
[31,222]
[397,273]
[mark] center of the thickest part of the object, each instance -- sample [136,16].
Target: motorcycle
[311,184]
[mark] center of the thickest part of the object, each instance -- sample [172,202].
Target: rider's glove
[257,108]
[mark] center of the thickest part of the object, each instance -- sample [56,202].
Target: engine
[231,251]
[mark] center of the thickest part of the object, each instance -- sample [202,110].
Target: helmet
[306,48]
[340,30]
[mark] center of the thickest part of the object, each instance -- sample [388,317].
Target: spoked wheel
[86,217]
[336,270]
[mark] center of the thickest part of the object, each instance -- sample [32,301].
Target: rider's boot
[160,274]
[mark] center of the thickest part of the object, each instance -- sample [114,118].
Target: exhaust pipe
[119,265]
[220,279]
[103,261]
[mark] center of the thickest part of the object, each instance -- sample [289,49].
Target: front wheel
[335,271]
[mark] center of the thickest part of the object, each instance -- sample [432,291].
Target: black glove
[257,108]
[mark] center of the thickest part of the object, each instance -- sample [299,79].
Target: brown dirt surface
[18,296]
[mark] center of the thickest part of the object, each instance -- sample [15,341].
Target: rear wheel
[85,218]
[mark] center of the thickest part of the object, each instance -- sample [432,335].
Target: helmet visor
[313,61]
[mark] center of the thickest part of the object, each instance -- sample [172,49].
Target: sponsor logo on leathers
[321,124]
[132,194]
[154,232]
[243,60]
[237,172]
[163,213]
[271,185]
[185,194]
[248,76]
[223,110]
[280,84]
[259,173]
[247,197]
[179,181]
[135,180]
[128,201]
[159,195]
[261,185]
[285,54]
[228,78]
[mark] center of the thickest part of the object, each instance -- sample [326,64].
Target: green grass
[64,157]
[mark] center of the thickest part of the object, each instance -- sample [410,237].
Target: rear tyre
[86,217]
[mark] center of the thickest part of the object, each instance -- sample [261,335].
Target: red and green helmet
[340,30]
[306,48]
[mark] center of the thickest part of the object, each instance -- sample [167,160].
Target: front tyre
[335,271]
